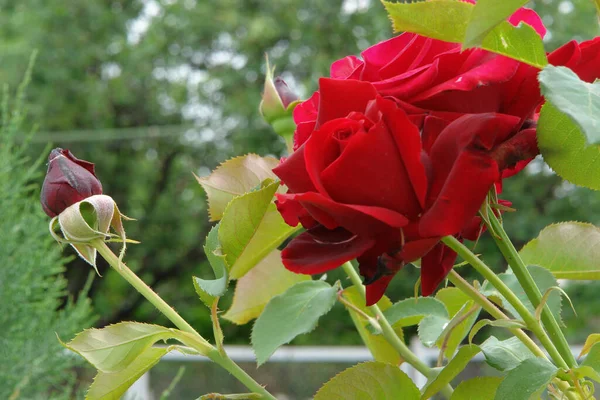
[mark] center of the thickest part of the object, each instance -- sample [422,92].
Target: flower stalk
[531,290]
[532,323]
[390,335]
[201,344]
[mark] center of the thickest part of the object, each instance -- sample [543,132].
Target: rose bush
[401,147]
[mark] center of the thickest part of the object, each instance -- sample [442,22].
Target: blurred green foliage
[32,289]
[154,90]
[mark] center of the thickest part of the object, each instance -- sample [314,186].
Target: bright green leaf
[113,385]
[527,379]
[290,314]
[209,289]
[448,19]
[114,347]
[589,342]
[500,323]
[411,311]
[233,178]
[486,15]
[450,371]
[564,148]
[457,303]
[506,354]
[380,348]
[481,388]
[587,372]
[430,329]
[576,98]
[254,290]
[570,250]
[593,358]
[543,279]
[369,381]
[251,228]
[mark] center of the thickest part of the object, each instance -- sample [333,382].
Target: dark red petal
[307,110]
[341,97]
[376,290]
[408,142]
[416,249]
[472,176]
[370,172]
[292,172]
[362,220]
[530,17]
[435,266]
[306,255]
[347,68]
[82,163]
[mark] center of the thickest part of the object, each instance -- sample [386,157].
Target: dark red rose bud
[68,181]
[285,93]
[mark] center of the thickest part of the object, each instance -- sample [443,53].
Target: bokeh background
[153,90]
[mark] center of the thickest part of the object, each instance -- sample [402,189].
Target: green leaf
[482,388]
[565,150]
[448,19]
[207,289]
[576,98]
[380,348]
[486,15]
[593,358]
[431,328]
[290,314]
[254,290]
[570,250]
[505,355]
[412,311]
[543,279]
[233,178]
[589,342]
[457,303]
[115,347]
[113,385]
[500,323]
[450,371]
[369,381]
[251,228]
[526,380]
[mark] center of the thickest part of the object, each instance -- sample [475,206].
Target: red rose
[475,114]
[68,181]
[365,186]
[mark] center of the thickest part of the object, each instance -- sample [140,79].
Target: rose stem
[389,334]
[531,290]
[221,359]
[488,306]
[532,323]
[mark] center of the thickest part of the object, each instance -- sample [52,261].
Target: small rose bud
[278,104]
[68,181]
[84,223]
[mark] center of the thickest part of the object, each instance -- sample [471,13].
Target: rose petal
[470,179]
[435,266]
[306,255]
[376,290]
[341,97]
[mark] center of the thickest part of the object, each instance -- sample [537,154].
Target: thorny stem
[532,323]
[531,290]
[491,309]
[201,344]
[390,335]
